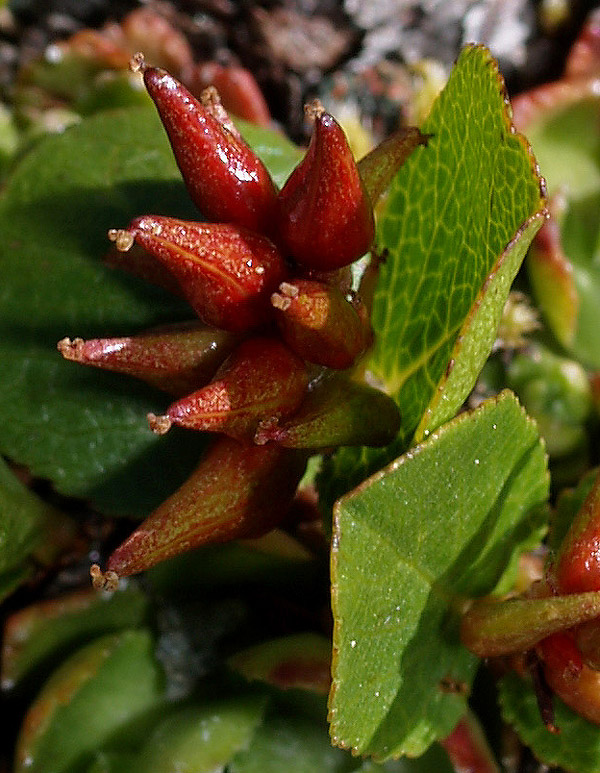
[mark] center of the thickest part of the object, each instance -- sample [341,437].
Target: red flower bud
[261,380]
[467,747]
[174,358]
[225,179]
[560,655]
[576,567]
[587,638]
[225,272]
[134,259]
[325,217]
[337,412]
[238,90]
[237,490]
[320,324]
[575,683]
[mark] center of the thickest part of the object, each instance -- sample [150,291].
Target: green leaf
[277,560]
[434,759]
[42,632]
[580,231]
[291,743]
[452,211]
[477,335]
[102,694]
[565,138]
[202,738]
[457,222]
[112,762]
[438,525]
[279,154]
[556,392]
[24,522]
[566,141]
[301,661]
[576,748]
[83,429]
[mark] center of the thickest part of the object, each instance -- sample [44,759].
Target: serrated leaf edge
[541,215]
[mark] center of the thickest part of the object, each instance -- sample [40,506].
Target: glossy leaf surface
[455,227]
[104,689]
[409,544]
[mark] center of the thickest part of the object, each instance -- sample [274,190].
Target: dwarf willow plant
[432,507]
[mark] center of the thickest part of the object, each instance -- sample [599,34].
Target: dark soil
[298,49]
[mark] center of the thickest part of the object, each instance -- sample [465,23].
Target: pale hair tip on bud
[314,109]
[123,239]
[210,96]
[69,347]
[137,62]
[280,302]
[290,290]
[64,344]
[265,430]
[103,580]
[159,424]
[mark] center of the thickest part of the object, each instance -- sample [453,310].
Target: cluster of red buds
[267,364]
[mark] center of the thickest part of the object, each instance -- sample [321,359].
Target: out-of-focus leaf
[565,277]
[102,694]
[279,154]
[299,661]
[561,120]
[274,559]
[113,762]
[25,522]
[565,139]
[202,738]
[556,392]
[434,759]
[38,634]
[9,139]
[294,744]
[575,748]
[438,525]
